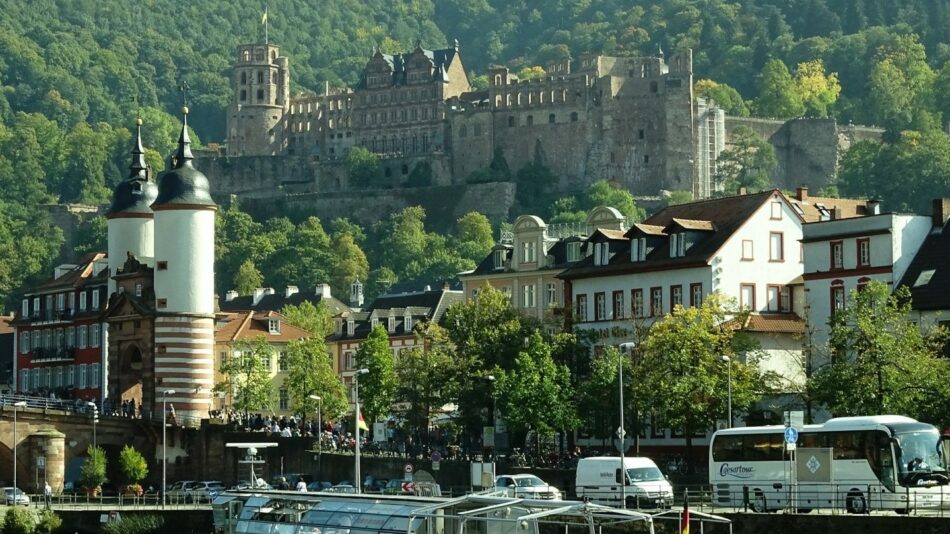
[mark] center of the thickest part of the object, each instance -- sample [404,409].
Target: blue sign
[791,435]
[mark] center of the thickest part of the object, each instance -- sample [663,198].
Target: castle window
[260,76]
[243,78]
[387,172]
[573,116]
[641,134]
[530,120]
[243,95]
[646,159]
[246,56]
[498,79]
[463,131]
[260,95]
[551,118]
[405,170]
[477,130]
[162,266]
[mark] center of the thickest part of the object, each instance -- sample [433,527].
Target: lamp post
[358,482]
[165,395]
[95,419]
[622,434]
[494,426]
[16,406]
[319,422]
[728,361]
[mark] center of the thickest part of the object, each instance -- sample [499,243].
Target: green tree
[19,520]
[92,474]
[530,73]
[246,375]
[349,264]
[603,193]
[310,372]
[47,523]
[315,319]
[778,95]
[247,278]
[133,465]
[91,236]
[362,167]
[426,377]
[536,394]
[473,236]
[682,376]
[819,91]
[747,162]
[725,96]
[889,363]
[566,210]
[679,197]
[378,386]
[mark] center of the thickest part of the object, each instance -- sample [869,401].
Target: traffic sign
[407,468]
[436,456]
[435,465]
[408,487]
[791,435]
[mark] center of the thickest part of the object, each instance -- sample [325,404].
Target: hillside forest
[75,74]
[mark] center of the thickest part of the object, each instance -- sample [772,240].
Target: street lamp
[165,395]
[494,409]
[728,361]
[622,435]
[358,482]
[21,404]
[95,419]
[319,422]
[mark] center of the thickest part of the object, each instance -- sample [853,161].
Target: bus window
[727,448]
[847,445]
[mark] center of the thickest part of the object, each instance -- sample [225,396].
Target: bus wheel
[902,511]
[855,504]
[759,503]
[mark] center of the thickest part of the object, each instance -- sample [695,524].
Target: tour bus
[885,462]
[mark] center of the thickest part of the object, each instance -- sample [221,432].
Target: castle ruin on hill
[632,121]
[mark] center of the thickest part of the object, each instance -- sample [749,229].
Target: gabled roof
[928,276]
[441,61]
[646,229]
[78,276]
[814,209]
[691,224]
[248,325]
[613,235]
[421,306]
[726,215]
[277,301]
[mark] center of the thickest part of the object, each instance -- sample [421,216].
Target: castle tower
[261,89]
[184,287]
[131,221]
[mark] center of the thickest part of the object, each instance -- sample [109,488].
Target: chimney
[323,290]
[941,212]
[268,291]
[873,206]
[742,191]
[230,295]
[836,213]
[290,291]
[801,193]
[258,295]
[62,269]
[445,286]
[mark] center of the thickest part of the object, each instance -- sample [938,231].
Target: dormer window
[638,249]
[498,259]
[273,326]
[407,323]
[529,252]
[574,251]
[138,290]
[392,325]
[374,322]
[339,326]
[601,253]
[677,245]
[25,312]
[350,327]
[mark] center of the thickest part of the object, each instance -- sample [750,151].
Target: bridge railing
[7,402]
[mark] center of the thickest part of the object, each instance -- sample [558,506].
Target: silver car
[13,495]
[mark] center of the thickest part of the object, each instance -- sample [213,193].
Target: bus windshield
[919,453]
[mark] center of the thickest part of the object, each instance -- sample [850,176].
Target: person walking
[48,495]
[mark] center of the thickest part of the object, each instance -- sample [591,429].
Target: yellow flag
[264,17]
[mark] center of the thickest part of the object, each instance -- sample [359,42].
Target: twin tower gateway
[161,305]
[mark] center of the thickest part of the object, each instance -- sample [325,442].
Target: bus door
[945,448]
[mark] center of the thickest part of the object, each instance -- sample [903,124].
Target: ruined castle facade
[633,121]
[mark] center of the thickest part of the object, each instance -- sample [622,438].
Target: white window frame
[674,245]
[93,376]
[748,250]
[745,303]
[777,210]
[24,342]
[60,301]
[25,310]
[95,299]
[273,325]
[82,301]
[618,299]
[83,336]
[94,335]
[528,296]
[776,246]
[574,251]
[552,295]
[71,301]
[82,376]
[391,324]
[600,306]
[864,252]
[604,253]
[529,252]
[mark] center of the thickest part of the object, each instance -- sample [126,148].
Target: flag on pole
[684,519]
[264,17]
[360,422]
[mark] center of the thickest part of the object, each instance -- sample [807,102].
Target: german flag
[684,517]
[360,422]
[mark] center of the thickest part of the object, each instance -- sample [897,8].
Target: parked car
[181,490]
[13,495]
[599,479]
[527,487]
[246,485]
[206,490]
[319,485]
[394,487]
[377,485]
[342,488]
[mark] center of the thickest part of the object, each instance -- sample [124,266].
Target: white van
[598,481]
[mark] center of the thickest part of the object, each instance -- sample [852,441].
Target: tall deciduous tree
[310,372]
[349,263]
[92,474]
[888,363]
[603,193]
[378,386]
[746,163]
[473,236]
[133,465]
[778,95]
[246,375]
[683,376]
[536,394]
[362,167]
[247,278]
[819,91]
[426,377]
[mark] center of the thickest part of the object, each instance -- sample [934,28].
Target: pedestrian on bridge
[48,495]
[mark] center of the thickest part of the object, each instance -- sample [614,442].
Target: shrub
[135,524]
[92,474]
[19,520]
[48,522]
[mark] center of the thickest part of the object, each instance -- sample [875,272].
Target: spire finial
[184,156]
[137,168]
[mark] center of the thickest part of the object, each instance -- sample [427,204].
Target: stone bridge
[52,438]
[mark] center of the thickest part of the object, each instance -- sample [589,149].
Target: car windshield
[920,451]
[528,482]
[644,474]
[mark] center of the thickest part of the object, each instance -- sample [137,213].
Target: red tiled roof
[810,211]
[5,327]
[776,323]
[245,325]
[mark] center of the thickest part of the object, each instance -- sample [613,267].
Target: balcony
[42,354]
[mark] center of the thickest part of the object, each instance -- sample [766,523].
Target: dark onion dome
[183,186]
[135,194]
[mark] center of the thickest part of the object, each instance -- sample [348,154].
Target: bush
[92,474]
[135,524]
[19,520]
[48,522]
